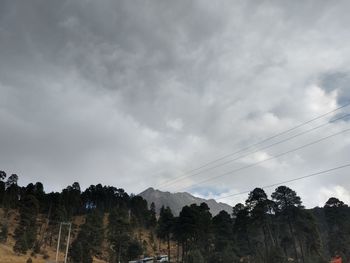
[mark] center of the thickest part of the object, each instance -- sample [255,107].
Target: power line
[258,143]
[255,151]
[267,159]
[289,181]
[271,137]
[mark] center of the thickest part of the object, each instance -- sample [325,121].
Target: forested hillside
[110,225]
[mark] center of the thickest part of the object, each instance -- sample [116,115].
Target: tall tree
[287,203]
[119,234]
[337,217]
[25,233]
[2,187]
[260,210]
[223,238]
[139,210]
[2,175]
[165,226]
[152,221]
[196,229]
[89,240]
[12,192]
[240,230]
[308,236]
[70,199]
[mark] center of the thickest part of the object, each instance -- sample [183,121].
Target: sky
[138,93]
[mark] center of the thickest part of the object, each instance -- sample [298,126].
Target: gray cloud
[135,93]
[339,82]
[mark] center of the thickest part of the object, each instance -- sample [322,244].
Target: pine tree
[260,210]
[240,230]
[152,221]
[89,239]
[2,187]
[194,230]
[223,238]
[165,226]
[119,232]
[11,192]
[337,218]
[222,230]
[134,250]
[288,204]
[25,233]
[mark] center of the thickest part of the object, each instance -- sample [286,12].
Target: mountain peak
[176,201]
[149,189]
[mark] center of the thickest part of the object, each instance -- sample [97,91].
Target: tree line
[264,229]
[40,215]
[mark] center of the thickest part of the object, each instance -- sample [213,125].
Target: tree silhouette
[25,233]
[337,217]
[165,226]
[89,240]
[260,209]
[288,203]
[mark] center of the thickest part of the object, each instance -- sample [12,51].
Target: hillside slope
[152,245]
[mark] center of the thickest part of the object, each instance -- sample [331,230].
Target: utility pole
[67,247]
[59,240]
[120,248]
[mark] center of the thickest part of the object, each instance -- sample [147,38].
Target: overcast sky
[136,93]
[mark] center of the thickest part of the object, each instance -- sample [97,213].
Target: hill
[151,245]
[176,201]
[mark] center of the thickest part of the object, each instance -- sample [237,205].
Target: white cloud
[175,124]
[319,101]
[337,191]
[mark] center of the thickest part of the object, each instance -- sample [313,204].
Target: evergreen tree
[308,236]
[12,180]
[152,221]
[222,230]
[223,237]
[12,192]
[194,230]
[2,175]
[240,230]
[337,218]
[139,211]
[134,250]
[119,232]
[165,226]
[2,187]
[70,199]
[195,256]
[25,233]
[288,204]
[260,209]
[89,240]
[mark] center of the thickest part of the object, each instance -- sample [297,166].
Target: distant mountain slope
[178,200]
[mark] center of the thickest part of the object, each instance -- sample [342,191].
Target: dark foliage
[262,230]
[25,233]
[89,239]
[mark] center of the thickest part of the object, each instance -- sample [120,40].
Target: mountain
[178,200]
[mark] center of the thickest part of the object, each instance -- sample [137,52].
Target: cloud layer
[135,93]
